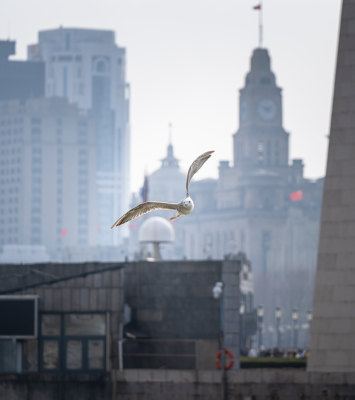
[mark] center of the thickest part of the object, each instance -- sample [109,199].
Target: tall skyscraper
[88,68]
[47,175]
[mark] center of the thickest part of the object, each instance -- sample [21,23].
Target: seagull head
[188,203]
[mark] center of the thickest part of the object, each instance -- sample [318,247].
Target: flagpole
[170,132]
[259,7]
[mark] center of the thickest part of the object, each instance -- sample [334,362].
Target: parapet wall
[258,384]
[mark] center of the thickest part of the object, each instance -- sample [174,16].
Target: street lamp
[242,331]
[260,315]
[217,292]
[278,314]
[309,321]
[295,327]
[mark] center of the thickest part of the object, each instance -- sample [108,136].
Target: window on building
[73,342]
[260,150]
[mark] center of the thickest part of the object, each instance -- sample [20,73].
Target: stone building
[82,327]
[261,204]
[169,344]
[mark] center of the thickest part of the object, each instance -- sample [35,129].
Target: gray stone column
[332,339]
[231,279]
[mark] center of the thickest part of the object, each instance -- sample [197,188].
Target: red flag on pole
[296,196]
[258,7]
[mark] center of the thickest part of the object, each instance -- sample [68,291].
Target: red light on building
[296,196]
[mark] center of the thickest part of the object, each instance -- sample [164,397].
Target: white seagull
[183,208]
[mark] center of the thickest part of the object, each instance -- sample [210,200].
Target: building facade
[175,321]
[19,79]
[88,68]
[47,175]
[261,204]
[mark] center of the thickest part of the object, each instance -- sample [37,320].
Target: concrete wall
[178,385]
[172,303]
[173,300]
[173,309]
[89,287]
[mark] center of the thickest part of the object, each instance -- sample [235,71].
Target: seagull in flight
[183,208]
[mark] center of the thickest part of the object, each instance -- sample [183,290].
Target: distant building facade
[260,205]
[88,68]
[19,79]
[47,175]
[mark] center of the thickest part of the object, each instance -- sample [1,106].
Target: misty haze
[227,287]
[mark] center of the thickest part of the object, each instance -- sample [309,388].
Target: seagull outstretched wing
[143,209]
[195,166]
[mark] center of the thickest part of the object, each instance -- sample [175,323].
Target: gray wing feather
[195,166]
[143,209]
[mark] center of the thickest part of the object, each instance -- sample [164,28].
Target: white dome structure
[156,230]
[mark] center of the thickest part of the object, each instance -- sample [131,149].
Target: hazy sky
[187,59]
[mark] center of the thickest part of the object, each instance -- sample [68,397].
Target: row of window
[73,342]
[9,190]
[14,150]
[8,171]
[8,230]
[12,141]
[9,181]
[10,161]
[11,132]
[8,121]
[10,240]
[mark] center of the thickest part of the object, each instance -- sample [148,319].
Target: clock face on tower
[266,109]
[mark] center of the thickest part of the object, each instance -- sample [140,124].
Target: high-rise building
[88,68]
[47,175]
[19,79]
[261,204]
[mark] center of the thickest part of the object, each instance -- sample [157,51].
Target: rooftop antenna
[259,8]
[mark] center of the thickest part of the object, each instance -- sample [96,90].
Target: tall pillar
[332,340]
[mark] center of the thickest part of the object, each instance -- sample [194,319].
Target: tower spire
[170,160]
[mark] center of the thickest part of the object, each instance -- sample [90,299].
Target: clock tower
[260,143]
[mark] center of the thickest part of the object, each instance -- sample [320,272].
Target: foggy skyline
[186,62]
